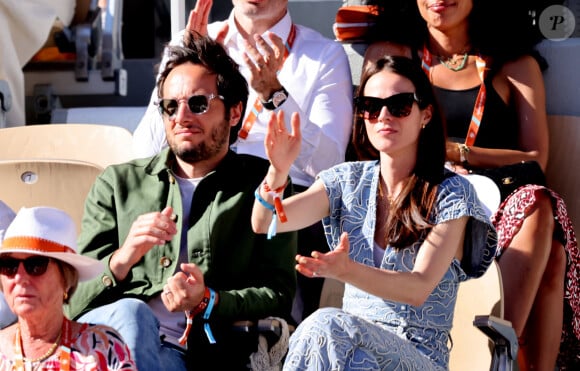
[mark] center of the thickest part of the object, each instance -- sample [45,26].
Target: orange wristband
[277,194]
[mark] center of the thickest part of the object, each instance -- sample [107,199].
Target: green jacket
[255,277]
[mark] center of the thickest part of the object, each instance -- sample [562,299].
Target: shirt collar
[282,28]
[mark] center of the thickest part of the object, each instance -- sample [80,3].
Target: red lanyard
[257,107]
[65,351]
[477,114]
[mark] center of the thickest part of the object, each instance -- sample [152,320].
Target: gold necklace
[455,63]
[382,196]
[48,353]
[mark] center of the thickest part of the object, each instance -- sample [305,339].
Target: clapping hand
[282,147]
[264,59]
[334,264]
[198,20]
[147,231]
[185,289]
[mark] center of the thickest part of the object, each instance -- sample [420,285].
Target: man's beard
[219,138]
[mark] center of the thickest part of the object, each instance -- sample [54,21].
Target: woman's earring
[65,296]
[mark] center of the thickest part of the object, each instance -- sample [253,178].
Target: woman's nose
[384,114]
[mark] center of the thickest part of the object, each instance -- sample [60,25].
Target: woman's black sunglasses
[399,105]
[198,104]
[34,265]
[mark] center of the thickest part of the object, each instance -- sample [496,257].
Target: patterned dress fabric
[508,221]
[371,333]
[97,348]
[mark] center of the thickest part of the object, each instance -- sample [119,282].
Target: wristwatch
[276,100]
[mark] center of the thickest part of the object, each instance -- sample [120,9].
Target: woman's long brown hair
[409,212]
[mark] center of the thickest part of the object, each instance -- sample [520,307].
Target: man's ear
[236,113]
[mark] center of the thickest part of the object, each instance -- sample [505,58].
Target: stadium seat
[63,184]
[102,145]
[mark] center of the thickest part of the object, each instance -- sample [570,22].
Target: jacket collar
[165,160]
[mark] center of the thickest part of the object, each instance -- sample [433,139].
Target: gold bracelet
[463,152]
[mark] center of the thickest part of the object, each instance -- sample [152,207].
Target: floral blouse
[96,348]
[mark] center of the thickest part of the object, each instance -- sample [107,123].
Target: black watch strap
[276,100]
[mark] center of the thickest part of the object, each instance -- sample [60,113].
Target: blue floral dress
[371,333]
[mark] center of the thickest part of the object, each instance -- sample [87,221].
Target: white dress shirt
[316,75]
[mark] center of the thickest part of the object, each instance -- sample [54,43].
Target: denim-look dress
[370,333]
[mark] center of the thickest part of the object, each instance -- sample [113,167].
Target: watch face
[278,98]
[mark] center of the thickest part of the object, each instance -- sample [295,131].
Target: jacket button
[107,281]
[165,262]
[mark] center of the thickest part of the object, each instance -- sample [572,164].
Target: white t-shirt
[172,324]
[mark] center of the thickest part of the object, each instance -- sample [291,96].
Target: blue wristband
[269,206]
[264,203]
[206,315]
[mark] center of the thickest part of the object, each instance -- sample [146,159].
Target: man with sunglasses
[182,260]
[288,67]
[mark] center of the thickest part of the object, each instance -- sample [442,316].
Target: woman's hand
[453,157]
[334,264]
[456,168]
[452,152]
[281,147]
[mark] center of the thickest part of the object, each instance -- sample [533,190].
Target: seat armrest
[504,338]
[499,331]
[270,328]
[244,326]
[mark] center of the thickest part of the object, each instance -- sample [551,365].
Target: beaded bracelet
[463,152]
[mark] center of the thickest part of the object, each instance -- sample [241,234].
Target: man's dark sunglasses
[399,105]
[198,104]
[34,265]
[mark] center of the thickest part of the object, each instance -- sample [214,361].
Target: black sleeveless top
[499,125]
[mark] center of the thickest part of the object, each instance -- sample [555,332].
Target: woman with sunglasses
[39,271]
[461,44]
[396,225]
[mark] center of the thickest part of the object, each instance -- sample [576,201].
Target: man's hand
[264,59]
[148,230]
[184,291]
[198,19]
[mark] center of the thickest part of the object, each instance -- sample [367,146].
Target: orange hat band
[34,243]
